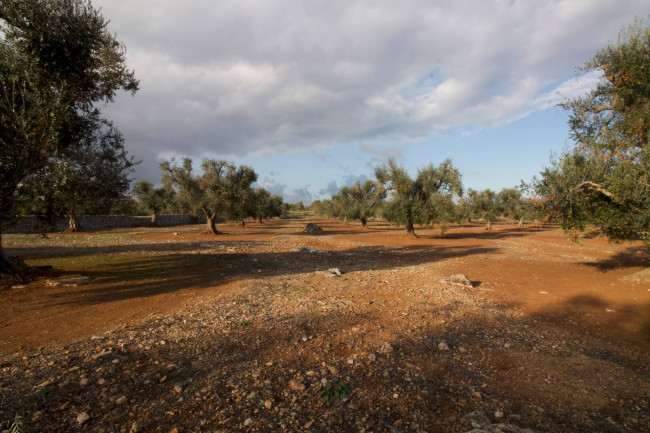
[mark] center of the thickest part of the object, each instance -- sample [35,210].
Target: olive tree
[221,189]
[483,205]
[361,201]
[417,201]
[88,181]
[604,181]
[57,60]
[153,200]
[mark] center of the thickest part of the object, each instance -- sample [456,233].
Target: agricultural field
[267,329]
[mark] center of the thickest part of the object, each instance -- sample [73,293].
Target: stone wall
[31,224]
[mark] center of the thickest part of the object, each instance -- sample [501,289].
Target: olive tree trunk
[73,223]
[410,230]
[211,222]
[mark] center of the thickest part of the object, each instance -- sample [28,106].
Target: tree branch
[587,184]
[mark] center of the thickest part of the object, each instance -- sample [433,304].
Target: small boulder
[458,280]
[83,417]
[313,229]
[332,272]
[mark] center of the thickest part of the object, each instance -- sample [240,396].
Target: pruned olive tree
[417,201]
[57,60]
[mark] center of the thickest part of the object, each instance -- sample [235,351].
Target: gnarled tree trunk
[154,220]
[211,222]
[364,223]
[488,225]
[521,222]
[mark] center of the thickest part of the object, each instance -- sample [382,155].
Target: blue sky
[314,94]
[488,157]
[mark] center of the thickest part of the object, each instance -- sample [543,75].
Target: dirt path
[243,331]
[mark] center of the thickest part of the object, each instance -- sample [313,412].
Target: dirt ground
[177,329]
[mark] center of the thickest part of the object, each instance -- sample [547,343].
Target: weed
[244,323]
[14,426]
[300,289]
[336,390]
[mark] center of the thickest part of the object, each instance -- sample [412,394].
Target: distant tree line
[434,197]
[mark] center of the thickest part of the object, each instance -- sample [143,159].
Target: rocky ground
[323,334]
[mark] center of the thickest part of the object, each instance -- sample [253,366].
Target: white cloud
[251,77]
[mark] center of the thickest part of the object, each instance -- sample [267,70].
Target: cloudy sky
[314,94]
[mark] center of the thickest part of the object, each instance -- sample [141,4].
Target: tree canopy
[422,200]
[222,189]
[57,60]
[605,180]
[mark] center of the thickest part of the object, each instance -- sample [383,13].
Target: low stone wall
[31,224]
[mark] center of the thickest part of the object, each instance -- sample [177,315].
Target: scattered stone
[498,415]
[268,404]
[332,272]
[102,355]
[306,250]
[296,386]
[121,400]
[507,345]
[101,381]
[443,346]
[458,280]
[386,348]
[372,357]
[248,422]
[44,384]
[178,389]
[84,381]
[313,229]
[478,417]
[83,417]
[135,427]
[98,338]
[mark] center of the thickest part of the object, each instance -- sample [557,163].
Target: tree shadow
[132,277]
[488,234]
[631,257]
